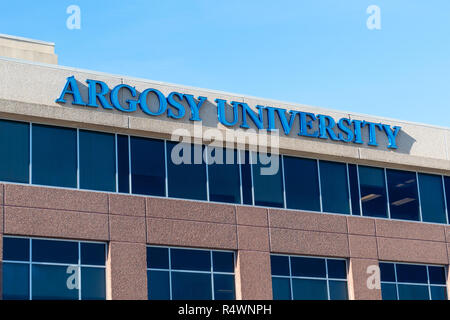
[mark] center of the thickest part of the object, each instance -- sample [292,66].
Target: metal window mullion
[117,162]
[212,276]
[359,191]
[290,278]
[78,158]
[386,186]
[445,200]
[166,169]
[418,196]
[129,165]
[30,271]
[349,191]
[428,284]
[30,157]
[328,283]
[396,281]
[240,175]
[79,271]
[250,159]
[207,171]
[320,185]
[170,275]
[284,180]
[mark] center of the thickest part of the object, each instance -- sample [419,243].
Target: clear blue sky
[315,52]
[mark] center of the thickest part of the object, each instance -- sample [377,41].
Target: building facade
[99,199]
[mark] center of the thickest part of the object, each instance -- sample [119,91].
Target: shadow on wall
[208,113]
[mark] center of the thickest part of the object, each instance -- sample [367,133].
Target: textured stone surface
[190,210]
[58,224]
[253,238]
[361,226]
[126,205]
[191,233]
[127,271]
[447,233]
[362,247]
[409,230]
[253,276]
[251,216]
[417,251]
[357,280]
[307,221]
[54,198]
[125,228]
[309,243]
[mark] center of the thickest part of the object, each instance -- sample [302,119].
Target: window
[403,195]
[308,278]
[412,282]
[373,192]
[186,171]
[41,269]
[246,175]
[123,164]
[97,161]
[15,146]
[190,274]
[54,160]
[268,180]
[432,198]
[148,169]
[334,186]
[223,175]
[302,183]
[354,189]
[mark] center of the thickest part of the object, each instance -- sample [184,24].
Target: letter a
[374,20]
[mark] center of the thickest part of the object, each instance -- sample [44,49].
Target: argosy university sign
[311,125]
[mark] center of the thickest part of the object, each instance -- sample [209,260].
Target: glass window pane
[413,292]
[302,184]
[97,161]
[223,175]
[403,195]
[308,267]
[447,194]
[55,251]
[337,269]
[223,287]
[246,173]
[437,275]
[186,259]
[281,288]
[148,167]
[15,146]
[411,273]
[432,198]
[354,189]
[158,285]
[16,281]
[16,249]
[123,160]
[223,261]
[268,180]
[373,192]
[191,286]
[157,258]
[187,179]
[54,282]
[93,253]
[338,290]
[279,265]
[388,291]
[93,283]
[438,293]
[387,271]
[306,289]
[334,185]
[54,156]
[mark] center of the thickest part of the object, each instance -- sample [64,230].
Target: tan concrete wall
[28,92]
[129,223]
[27,49]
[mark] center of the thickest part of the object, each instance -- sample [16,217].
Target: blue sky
[315,52]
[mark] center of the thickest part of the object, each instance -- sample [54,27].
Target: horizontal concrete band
[129,223]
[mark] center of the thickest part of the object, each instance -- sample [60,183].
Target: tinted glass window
[97,161]
[354,189]
[279,265]
[432,198]
[157,258]
[191,286]
[186,171]
[281,288]
[93,283]
[223,287]
[437,275]
[246,174]
[268,180]
[302,184]
[387,271]
[15,146]
[438,293]
[373,192]
[223,174]
[411,273]
[158,285]
[93,254]
[308,267]
[55,251]
[337,269]
[123,169]
[185,259]
[388,291]
[54,156]
[15,281]
[338,290]
[403,195]
[16,249]
[147,167]
[309,289]
[412,292]
[51,283]
[223,261]
[334,186]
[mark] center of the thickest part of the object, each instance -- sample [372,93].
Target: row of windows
[70,270]
[64,157]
